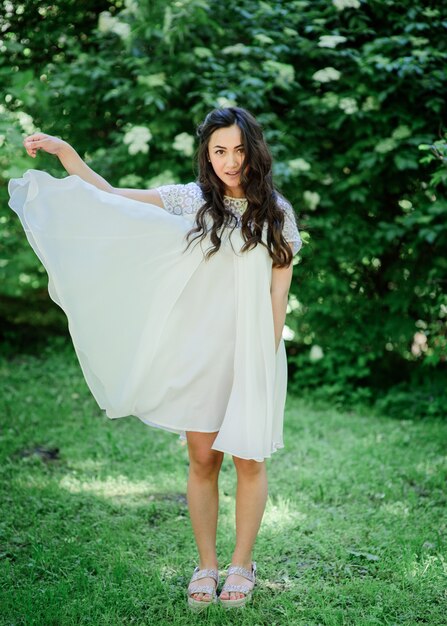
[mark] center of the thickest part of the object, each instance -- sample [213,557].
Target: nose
[233,161]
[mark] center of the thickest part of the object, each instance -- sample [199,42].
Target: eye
[241,150]
[218,152]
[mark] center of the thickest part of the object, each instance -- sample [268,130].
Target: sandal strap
[241,571]
[242,588]
[202,589]
[198,574]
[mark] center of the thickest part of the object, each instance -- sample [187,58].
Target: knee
[205,463]
[247,468]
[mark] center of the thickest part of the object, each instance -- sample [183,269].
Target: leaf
[364,555]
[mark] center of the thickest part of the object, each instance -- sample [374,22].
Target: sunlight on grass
[432,466]
[396,508]
[422,567]
[114,488]
[87,465]
[168,572]
[281,514]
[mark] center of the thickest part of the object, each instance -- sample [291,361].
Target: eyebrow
[241,145]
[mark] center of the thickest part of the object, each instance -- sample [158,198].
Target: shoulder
[284,204]
[180,199]
[290,229]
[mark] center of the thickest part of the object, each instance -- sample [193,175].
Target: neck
[235,193]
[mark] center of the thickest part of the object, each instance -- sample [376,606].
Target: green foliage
[411,403]
[350,95]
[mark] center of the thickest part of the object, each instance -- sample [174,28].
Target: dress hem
[251,458]
[182,436]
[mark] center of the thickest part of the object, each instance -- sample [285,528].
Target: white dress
[182,343]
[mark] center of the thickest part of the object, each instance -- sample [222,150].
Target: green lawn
[354,531]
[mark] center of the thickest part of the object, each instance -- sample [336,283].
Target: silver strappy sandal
[245,589]
[198,574]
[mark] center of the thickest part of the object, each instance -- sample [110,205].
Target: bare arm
[73,164]
[279,291]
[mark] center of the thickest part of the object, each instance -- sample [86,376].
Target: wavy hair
[256,181]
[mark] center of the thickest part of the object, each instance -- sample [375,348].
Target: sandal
[245,589]
[198,574]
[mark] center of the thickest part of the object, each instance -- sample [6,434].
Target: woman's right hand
[42,141]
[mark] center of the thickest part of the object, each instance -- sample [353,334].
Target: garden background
[351,94]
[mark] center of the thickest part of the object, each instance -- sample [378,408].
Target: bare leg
[203,499]
[251,498]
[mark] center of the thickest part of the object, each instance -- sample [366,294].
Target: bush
[348,92]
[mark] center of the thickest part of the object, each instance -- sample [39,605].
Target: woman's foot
[238,587]
[202,588]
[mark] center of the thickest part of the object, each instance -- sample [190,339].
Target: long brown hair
[256,182]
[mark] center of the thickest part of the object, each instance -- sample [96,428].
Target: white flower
[26,122]
[299,165]
[184,143]
[406,205]
[316,353]
[346,4]
[312,199]
[131,180]
[330,41]
[326,75]
[283,73]
[24,278]
[348,105]
[132,6]
[419,344]
[138,138]
[109,24]
[330,99]
[165,178]
[105,22]
[226,102]
[287,333]
[370,104]
[293,304]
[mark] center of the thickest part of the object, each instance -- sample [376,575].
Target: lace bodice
[187,200]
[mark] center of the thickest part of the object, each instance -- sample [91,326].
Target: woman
[186,339]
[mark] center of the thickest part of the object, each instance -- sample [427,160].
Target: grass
[95,528]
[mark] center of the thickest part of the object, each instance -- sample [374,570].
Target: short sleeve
[181,199]
[290,229]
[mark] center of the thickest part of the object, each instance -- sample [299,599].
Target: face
[226,153]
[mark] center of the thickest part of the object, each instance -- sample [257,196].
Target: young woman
[186,338]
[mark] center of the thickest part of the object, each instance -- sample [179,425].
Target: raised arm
[73,164]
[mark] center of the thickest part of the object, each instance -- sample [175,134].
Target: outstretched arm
[73,164]
[279,292]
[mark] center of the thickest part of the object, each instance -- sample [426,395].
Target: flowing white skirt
[182,343]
